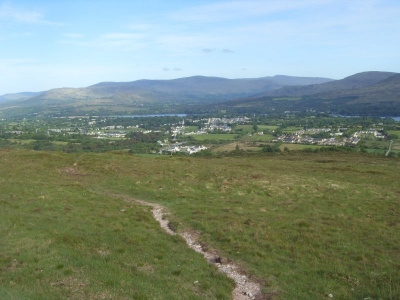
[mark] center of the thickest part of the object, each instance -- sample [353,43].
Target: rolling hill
[367,93]
[352,82]
[363,93]
[385,90]
[18,96]
[148,96]
[182,89]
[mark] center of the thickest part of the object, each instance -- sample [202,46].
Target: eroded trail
[245,288]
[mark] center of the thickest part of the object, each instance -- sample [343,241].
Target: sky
[47,44]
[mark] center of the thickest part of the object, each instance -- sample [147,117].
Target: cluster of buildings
[298,139]
[302,137]
[180,148]
[213,125]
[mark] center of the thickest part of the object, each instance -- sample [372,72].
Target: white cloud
[120,40]
[22,15]
[234,10]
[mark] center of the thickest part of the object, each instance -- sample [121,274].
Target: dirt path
[390,148]
[245,288]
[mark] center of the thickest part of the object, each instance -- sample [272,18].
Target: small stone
[196,282]
[330,296]
[123,210]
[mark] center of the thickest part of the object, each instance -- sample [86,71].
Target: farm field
[267,127]
[256,137]
[298,146]
[250,128]
[291,129]
[232,146]
[191,128]
[215,136]
[303,225]
[396,132]
[244,128]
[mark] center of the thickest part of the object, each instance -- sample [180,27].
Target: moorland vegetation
[304,225]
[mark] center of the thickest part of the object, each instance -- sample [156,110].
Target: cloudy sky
[47,44]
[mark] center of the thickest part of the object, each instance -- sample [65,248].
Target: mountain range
[17,96]
[198,87]
[364,91]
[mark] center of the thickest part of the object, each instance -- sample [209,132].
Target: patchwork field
[303,225]
[215,137]
[232,146]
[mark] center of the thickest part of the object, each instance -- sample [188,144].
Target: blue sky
[48,44]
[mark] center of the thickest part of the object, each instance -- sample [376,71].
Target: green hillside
[368,93]
[303,225]
[352,82]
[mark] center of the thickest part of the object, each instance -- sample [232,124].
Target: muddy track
[245,288]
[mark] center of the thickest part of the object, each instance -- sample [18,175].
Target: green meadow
[304,225]
[215,137]
[267,127]
[191,128]
[396,132]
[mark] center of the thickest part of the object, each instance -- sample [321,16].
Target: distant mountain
[206,84]
[285,80]
[363,93]
[367,93]
[382,91]
[200,88]
[17,96]
[355,81]
[381,98]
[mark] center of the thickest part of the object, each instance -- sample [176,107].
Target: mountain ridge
[350,82]
[180,88]
[366,93]
[17,96]
[377,92]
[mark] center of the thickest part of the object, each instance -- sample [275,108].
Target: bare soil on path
[245,288]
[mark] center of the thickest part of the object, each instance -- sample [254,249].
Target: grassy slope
[60,240]
[305,225]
